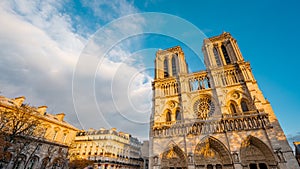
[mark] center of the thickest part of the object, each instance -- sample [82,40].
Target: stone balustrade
[198,81]
[240,122]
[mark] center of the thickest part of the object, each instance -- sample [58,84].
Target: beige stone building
[297,151]
[45,148]
[216,118]
[108,149]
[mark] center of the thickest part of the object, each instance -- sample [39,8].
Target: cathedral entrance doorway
[173,158]
[255,154]
[212,154]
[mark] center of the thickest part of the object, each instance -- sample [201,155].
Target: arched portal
[173,158]
[255,154]
[211,153]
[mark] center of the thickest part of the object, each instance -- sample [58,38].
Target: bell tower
[170,63]
[221,51]
[214,118]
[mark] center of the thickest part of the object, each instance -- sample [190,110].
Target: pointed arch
[173,157]
[255,151]
[168,116]
[178,115]
[233,109]
[244,105]
[211,151]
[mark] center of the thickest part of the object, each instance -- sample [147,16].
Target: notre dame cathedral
[217,118]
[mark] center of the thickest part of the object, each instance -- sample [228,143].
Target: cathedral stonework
[217,118]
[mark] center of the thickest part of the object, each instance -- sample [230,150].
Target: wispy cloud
[116,8]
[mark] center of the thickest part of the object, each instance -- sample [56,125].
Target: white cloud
[40,48]
[34,62]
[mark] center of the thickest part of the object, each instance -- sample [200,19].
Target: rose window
[204,108]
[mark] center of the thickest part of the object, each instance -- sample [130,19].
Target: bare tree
[56,157]
[20,130]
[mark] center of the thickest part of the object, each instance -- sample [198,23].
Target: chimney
[60,116]
[42,110]
[19,100]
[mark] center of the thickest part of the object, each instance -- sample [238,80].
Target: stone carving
[236,95]
[171,104]
[235,157]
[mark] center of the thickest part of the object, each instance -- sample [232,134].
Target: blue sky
[42,41]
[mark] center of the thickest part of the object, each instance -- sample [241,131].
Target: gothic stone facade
[216,118]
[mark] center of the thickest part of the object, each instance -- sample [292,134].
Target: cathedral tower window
[166,68]
[178,115]
[244,106]
[168,116]
[226,56]
[217,57]
[174,65]
[233,109]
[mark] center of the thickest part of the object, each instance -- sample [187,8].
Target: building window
[168,116]
[166,68]
[174,65]
[217,57]
[54,135]
[64,138]
[178,115]
[218,166]
[226,56]
[232,108]
[244,106]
